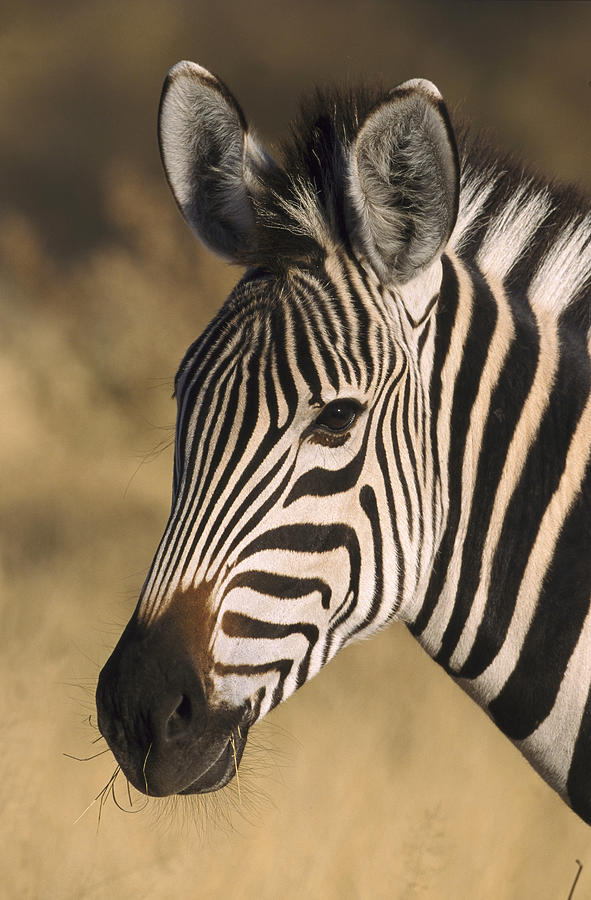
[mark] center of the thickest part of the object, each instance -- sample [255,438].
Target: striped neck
[506,604]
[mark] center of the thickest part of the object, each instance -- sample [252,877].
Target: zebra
[388,419]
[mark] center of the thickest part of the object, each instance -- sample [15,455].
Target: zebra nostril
[179,720]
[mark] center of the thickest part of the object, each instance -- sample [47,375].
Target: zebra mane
[523,229]
[511,221]
[301,211]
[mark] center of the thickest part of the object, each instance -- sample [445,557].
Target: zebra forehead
[247,308]
[268,310]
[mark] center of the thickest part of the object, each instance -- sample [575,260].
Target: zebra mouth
[223,769]
[153,711]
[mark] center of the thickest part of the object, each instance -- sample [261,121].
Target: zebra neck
[506,605]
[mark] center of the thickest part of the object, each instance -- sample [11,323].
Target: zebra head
[306,498]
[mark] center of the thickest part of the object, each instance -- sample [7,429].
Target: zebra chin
[155,715]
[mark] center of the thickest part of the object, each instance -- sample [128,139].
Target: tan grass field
[379,779]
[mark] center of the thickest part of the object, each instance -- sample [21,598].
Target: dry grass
[380,778]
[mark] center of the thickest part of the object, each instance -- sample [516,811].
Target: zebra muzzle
[154,713]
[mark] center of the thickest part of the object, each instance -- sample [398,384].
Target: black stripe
[578,784]
[327,337]
[466,386]
[447,308]
[260,512]
[237,625]
[247,424]
[282,666]
[409,450]
[286,383]
[248,505]
[282,587]
[171,545]
[308,537]
[382,459]
[319,482]
[539,479]
[304,361]
[507,400]
[341,307]
[362,316]
[396,446]
[554,630]
[317,328]
[367,499]
[578,312]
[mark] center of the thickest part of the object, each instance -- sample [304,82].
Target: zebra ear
[404,182]
[211,162]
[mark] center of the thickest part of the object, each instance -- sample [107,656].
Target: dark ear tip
[182,69]
[186,68]
[421,85]
[191,71]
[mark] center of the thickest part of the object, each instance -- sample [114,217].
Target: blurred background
[379,778]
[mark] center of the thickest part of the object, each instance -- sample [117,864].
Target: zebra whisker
[87,758]
[236,764]
[100,797]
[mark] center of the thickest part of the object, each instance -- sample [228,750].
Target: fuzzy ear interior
[404,182]
[212,163]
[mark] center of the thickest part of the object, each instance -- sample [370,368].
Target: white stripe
[550,747]
[475,190]
[525,432]
[499,346]
[512,229]
[412,605]
[493,679]
[566,267]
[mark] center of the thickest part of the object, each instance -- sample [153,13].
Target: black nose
[181,720]
[152,708]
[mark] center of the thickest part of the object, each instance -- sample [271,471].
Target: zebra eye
[338,415]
